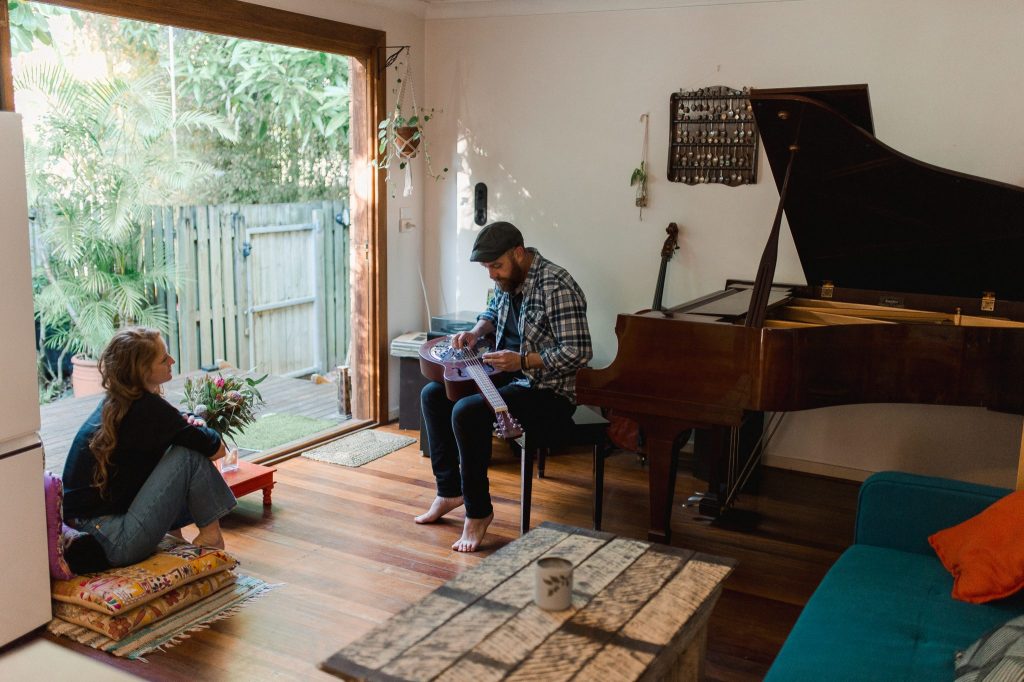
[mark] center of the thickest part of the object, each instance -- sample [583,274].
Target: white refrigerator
[24,576]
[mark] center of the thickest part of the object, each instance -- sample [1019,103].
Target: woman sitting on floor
[138,467]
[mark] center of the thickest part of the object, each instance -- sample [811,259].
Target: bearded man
[539,320]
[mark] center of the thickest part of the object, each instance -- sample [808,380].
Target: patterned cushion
[57,534]
[119,590]
[998,655]
[120,626]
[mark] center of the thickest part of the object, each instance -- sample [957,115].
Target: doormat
[171,630]
[278,428]
[359,448]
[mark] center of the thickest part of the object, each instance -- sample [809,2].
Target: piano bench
[587,428]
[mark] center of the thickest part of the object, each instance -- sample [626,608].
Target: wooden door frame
[369,212]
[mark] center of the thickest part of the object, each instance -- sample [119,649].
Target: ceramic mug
[552,588]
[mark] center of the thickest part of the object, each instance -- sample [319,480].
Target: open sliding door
[365,48]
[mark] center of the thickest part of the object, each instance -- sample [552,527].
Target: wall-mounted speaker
[480,203]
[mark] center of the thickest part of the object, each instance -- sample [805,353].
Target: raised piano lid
[865,216]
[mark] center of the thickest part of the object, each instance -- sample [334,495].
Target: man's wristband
[522,360]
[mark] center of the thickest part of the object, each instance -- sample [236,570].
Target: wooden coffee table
[639,611]
[250,477]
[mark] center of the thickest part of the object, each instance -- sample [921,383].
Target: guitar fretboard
[486,386]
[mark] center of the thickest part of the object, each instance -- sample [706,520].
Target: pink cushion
[57,534]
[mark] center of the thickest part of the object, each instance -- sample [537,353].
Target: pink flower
[219,382]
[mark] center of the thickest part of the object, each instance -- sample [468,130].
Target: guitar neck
[659,289]
[487,388]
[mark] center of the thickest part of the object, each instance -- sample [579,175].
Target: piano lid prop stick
[766,269]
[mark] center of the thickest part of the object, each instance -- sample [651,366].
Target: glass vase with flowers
[227,404]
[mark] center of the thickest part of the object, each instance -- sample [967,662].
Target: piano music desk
[250,477]
[639,610]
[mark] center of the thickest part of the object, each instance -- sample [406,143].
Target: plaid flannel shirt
[553,321]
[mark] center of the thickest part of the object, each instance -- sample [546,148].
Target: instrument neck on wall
[659,289]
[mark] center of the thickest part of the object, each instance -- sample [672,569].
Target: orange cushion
[985,553]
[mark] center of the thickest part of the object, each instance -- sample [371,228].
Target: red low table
[249,477]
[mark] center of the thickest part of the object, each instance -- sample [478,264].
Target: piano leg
[718,471]
[663,445]
[724,470]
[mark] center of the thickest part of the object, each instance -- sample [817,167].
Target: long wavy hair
[124,366]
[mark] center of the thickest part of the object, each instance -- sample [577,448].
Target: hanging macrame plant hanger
[407,137]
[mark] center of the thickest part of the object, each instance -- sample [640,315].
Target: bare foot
[177,535]
[438,508]
[473,531]
[209,537]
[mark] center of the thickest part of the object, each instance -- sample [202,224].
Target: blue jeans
[459,436]
[185,487]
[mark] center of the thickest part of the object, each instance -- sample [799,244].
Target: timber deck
[60,420]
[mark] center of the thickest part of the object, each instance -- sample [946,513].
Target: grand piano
[913,295]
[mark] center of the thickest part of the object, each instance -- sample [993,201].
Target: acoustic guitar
[462,371]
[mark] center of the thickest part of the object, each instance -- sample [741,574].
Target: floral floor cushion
[120,626]
[120,590]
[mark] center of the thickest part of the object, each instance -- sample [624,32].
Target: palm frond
[54,83]
[190,120]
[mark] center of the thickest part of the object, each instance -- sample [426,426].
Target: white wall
[545,109]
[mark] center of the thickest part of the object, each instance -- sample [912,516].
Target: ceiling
[454,9]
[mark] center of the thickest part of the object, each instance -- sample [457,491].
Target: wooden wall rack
[713,137]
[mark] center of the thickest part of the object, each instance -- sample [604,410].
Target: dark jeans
[184,486]
[459,436]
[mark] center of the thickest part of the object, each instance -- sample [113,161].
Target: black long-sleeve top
[150,426]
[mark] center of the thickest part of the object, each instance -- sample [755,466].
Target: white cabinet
[24,576]
[25,581]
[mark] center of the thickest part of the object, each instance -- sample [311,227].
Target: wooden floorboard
[343,544]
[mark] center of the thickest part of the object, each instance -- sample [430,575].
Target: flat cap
[494,240]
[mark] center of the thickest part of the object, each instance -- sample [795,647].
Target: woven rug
[165,633]
[278,428]
[359,448]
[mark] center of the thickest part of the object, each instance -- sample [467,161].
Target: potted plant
[400,136]
[100,155]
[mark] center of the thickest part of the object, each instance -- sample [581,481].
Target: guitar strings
[490,390]
[475,361]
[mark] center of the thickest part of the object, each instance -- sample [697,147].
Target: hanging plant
[400,136]
[407,141]
[639,177]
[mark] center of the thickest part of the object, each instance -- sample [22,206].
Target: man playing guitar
[539,319]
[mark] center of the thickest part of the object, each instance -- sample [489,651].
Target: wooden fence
[211,310]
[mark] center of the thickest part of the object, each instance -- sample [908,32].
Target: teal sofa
[884,610]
